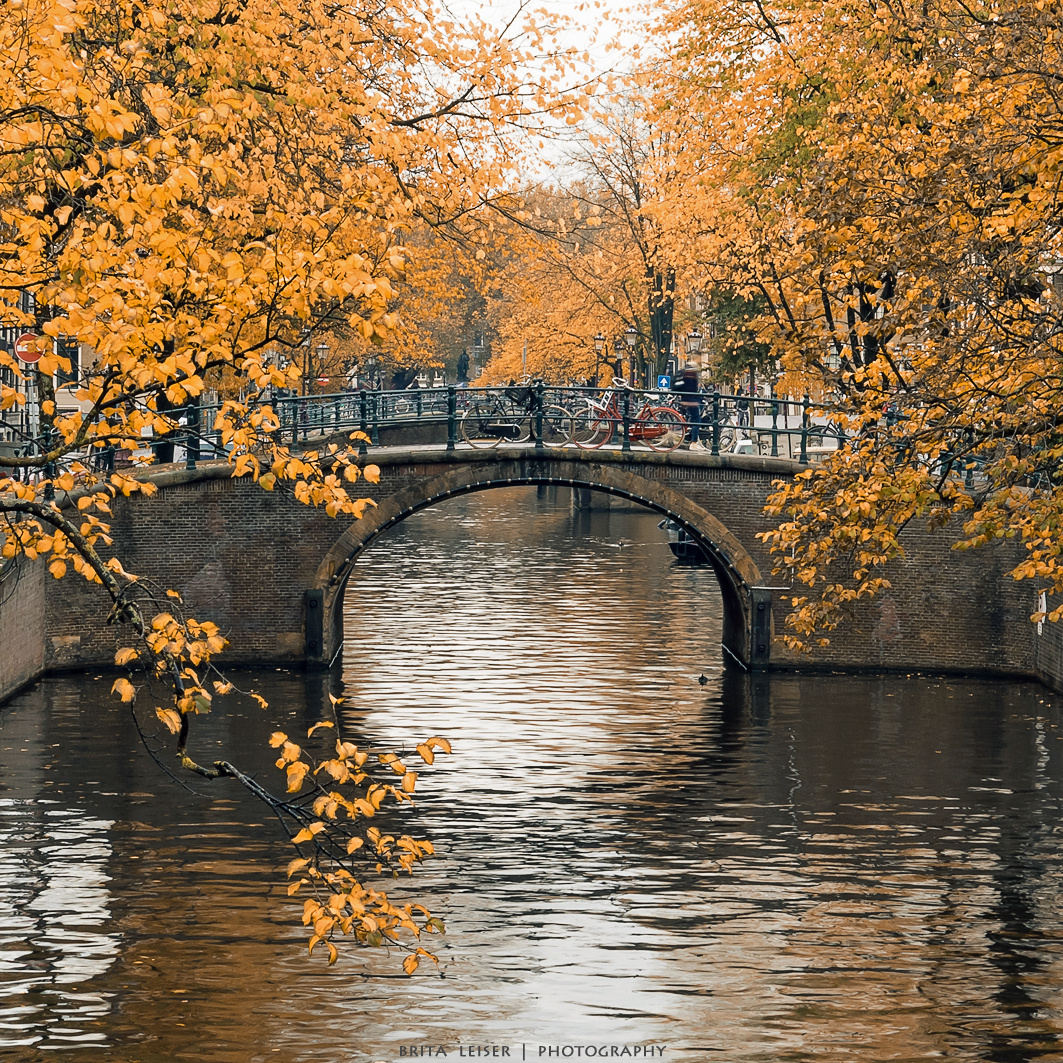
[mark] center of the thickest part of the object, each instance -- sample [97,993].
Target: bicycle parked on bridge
[511,416]
[660,427]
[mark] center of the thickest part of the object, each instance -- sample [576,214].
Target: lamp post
[631,337]
[693,343]
[305,344]
[599,347]
[322,355]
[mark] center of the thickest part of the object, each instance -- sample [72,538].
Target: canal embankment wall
[23,625]
[1047,641]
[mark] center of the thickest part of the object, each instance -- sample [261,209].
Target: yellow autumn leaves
[345,795]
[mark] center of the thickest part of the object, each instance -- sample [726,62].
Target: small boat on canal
[683,546]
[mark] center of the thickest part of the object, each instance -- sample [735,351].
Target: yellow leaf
[124,689]
[125,655]
[355,844]
[171,718]
[426,752]
[296,774]
[278,738]
[410,964]
[324,723]
[296,865]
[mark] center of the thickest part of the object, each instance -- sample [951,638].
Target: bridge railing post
[374,419]
[537,414]
[192,434]
[625,416]
[363,413]
[715,422]
[452,417]
[805,422]
[774,427]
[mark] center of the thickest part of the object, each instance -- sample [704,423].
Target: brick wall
[1047,645]
[239,556]
[22,625]
[947,610]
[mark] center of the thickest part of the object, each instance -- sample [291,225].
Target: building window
[68,349]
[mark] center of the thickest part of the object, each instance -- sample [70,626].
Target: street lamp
[631,337]
[693,342]
[305,344]
[599,347]
[322,355]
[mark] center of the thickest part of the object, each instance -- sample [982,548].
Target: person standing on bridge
[688,387]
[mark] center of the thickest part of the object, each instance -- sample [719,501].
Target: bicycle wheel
[482,425]
[589,427]
[555,426]
[521,425]
[662,428]
[727,439]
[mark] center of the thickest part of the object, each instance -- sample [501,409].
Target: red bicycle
[659,427]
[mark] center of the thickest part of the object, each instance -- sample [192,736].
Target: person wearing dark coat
[688,387]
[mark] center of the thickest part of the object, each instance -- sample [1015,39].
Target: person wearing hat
[688,388]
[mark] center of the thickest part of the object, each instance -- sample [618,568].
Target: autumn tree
[591,258]
[884,178]
[544,289]
[186,189]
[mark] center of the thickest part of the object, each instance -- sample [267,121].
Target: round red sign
[27,349]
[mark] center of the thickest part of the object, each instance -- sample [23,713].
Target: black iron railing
[530,413]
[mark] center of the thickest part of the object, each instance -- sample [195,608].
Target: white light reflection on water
[56,933]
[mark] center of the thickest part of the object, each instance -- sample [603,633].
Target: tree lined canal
[824,868]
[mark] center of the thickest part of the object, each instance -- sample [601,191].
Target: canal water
[642,854]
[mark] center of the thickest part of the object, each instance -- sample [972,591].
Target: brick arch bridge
[646,479]
[271,572]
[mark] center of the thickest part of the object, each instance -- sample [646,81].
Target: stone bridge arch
[271,571]
[746,604]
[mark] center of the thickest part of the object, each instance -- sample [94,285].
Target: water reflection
[55,939]
[828,868]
